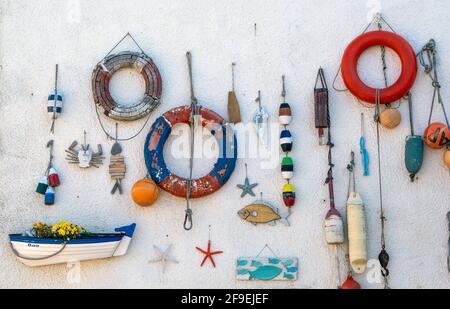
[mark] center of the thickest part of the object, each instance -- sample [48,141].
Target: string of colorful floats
[145,191]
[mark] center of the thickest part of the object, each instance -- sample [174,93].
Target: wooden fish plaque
[267,269]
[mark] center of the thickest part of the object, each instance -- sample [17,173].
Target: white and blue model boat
[33,251]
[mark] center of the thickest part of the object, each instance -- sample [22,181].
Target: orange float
[145,192]
[350,284]
[436,135]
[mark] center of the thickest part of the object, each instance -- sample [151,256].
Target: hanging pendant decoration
[54,103]
[262,212]
[234,112]
[356,223]
[50,181]
[208,254]
[117,167]
[247,187]
[84,157]
[287,163]
[413,146]
[194,115]
[261,120]
[321,107]
[272,268]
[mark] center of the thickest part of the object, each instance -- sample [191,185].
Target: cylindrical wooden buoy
[54,105]
[42,185]
[289,195]
[53,178]
[334,227]
[285,114]
[144,192]
[436,135]
[287,168]
[286,141]
[357,233]
[390,118]
[49,198]
[447,157]
[350,284]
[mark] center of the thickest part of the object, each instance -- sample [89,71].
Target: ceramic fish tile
[267,268]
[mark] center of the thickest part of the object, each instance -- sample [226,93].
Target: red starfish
[208,254]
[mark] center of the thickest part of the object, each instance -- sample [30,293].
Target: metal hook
[188,220]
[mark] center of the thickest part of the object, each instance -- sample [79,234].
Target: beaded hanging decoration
[287,164]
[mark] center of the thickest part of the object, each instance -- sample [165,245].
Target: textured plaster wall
[293,38]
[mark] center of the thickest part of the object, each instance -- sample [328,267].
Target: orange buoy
[436,135]
[447,157]
[350,284]
[390,118]
[145,192]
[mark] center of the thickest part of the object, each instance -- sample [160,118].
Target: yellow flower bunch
[66,230]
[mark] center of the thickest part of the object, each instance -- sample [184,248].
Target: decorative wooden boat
[33,251]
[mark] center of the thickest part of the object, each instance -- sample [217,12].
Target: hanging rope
[427,59]
[383,256]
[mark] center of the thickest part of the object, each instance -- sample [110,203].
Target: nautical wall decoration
[50,180]
[145,192]
[287,164]
[272,268]
[193,115]
[84,157]
[247,187]
[261,120]
[208,254]
[234,112]
[112,63]
[54,103]
[262,212]
[356,224]
[163,257]
[42,246]
[117,167]
[363,149]
[321,107]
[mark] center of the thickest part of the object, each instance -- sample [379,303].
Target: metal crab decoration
[84,157]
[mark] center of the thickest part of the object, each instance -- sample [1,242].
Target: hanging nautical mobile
[356,223]
[437,134]
[261,212]
[85,157]
[261,119]
[267,268]
[208,253]
[234,112]
[51,180]
[247,187]
[194,115]
[54,103]
[287,164]
[117,167]
[413,146]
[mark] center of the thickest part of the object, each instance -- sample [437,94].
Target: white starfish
[163,257]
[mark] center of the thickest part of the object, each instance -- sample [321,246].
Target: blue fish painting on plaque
[267,269]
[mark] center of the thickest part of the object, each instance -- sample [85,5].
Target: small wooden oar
[234,113]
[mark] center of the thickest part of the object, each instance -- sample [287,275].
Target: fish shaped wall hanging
[267,268]
[261,212]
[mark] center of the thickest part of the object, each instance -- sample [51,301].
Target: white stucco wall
[293,38]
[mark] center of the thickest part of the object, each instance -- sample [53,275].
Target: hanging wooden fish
[261,120]
[84,157]
[54,103]
[356,225]
[267,268]
[321,106]
[261,212]
[117,167]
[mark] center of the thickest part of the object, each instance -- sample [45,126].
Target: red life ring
[400,46]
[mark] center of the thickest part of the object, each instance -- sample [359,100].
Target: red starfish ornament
[208,254]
